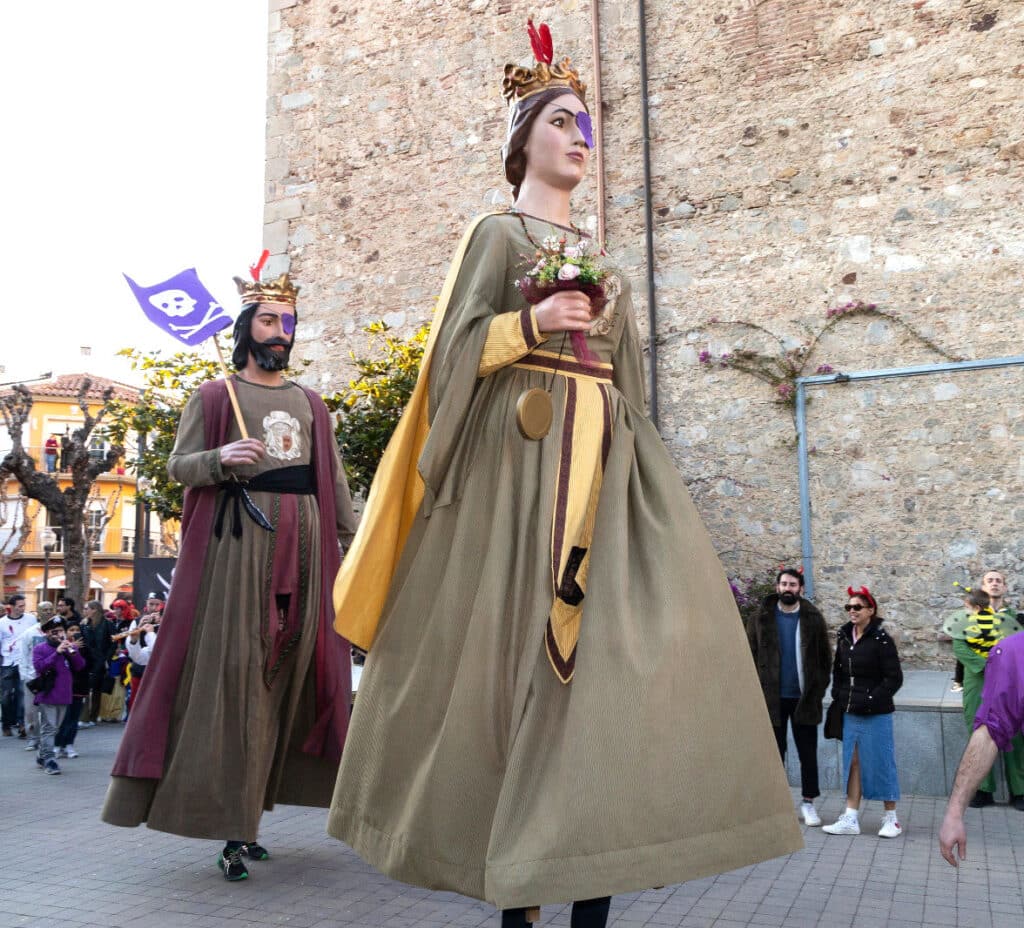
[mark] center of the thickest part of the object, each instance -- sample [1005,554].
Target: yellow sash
[362,584]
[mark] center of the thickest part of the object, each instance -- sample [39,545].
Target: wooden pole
[231,389]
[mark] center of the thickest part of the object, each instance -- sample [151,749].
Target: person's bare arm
[979,756]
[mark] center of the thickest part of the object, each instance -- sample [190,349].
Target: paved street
[62,866]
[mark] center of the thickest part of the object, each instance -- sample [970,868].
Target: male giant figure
[248,687]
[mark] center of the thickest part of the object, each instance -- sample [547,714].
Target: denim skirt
[872,736]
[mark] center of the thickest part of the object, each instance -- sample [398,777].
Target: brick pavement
[62,866]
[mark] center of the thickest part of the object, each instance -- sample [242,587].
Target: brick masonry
[804,155]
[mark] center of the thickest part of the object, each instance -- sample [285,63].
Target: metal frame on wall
[802,383]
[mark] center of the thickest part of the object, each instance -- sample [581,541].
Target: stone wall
[804,156]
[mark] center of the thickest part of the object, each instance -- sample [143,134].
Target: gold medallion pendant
[534,412]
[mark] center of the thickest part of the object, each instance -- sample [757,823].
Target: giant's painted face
[273,333]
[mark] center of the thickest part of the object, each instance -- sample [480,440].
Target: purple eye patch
[288,323]
[586,127]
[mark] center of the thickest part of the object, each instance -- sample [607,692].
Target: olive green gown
[470,765]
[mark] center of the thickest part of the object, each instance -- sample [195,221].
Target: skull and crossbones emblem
[177,304]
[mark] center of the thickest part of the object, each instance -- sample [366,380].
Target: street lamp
[48,537]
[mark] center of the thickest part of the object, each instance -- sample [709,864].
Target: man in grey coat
[790,644]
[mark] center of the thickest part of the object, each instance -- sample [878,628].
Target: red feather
[257,268]
[549,48]
[540,42]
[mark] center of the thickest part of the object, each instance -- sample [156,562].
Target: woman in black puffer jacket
[866,675]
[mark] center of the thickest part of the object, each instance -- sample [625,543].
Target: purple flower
[825,369]
[784,389]
[704,357]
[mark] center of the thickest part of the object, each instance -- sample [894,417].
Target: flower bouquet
[559,267]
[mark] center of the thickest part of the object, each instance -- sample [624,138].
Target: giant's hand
[953,836]
[244,451]
[565,311]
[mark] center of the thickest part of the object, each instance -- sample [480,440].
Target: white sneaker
[61,752]
[809,814]
[847,824]
[70,752]
[31,745]
[890,827]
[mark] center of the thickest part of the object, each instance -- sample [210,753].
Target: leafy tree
[368,411]
[66,507]
[169,382]
[370,408]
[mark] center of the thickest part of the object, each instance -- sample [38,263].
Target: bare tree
[67,507]
[17,520]
[98,513]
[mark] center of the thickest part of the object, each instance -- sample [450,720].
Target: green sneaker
[255,851]
[231,863]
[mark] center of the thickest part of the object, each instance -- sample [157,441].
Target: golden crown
[520,82]
[279,290]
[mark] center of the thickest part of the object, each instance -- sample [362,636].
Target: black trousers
[806,738]
[586,913]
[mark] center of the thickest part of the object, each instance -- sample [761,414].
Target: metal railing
[38,453]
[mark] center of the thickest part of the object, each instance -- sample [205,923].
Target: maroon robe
[144,745]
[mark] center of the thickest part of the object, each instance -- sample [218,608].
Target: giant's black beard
[271,360]
[787,599]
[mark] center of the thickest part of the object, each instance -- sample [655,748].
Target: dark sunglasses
[850,608]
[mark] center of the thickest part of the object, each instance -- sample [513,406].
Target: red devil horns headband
[863,593]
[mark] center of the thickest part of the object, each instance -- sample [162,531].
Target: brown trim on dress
[564,468]
[526,321]
[566,366]
[606,436]
[564,667]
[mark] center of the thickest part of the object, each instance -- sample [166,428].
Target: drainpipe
[652,305]
[595,39]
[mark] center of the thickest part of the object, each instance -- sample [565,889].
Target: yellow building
[110,518]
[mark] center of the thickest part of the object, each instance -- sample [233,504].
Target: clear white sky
[133,140]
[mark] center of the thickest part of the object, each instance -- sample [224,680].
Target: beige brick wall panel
[803,155]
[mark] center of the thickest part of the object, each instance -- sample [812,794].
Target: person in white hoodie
[27,640]
[141,639]
[11,627]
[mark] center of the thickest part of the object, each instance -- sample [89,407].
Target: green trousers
[1013,760]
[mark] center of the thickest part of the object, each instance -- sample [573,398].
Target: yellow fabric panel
[361,587]
[585,475]
[506,342]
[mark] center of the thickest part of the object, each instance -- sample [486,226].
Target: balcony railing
[56,466]
[156,545]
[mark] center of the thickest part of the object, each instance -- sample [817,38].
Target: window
[95,521]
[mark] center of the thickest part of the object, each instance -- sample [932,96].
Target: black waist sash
[297,479]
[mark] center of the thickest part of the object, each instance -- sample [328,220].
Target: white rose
[573,251]
[568,272]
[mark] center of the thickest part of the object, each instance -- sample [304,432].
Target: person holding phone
[54,660]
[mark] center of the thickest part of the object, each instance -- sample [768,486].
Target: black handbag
[834,722]
[42,684]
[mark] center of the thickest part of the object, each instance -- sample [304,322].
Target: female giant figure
[558,703]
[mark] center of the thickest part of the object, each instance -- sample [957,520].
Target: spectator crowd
[64,671]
